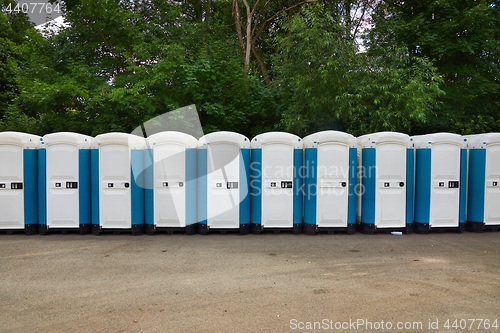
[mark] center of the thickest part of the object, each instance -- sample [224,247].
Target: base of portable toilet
[18,182]
[440,182]
[223,183]
[330,178]
[121,184]
[386,182]
[170,176]
[64,183]
[483,208]
[276,183]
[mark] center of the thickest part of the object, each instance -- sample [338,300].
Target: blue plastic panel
[137,182]
[353,180]
[191,186]
[410,184]
[84,186]
[94,171]
[463,185]
[256,186]
[298,194]
[422,185]
[244,186]
[311,185]
[477,175]
[42,186]
[30,186]
[368,181]
[149,186]
[202,186]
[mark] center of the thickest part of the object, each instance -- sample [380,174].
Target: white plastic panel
[333,185]
[445,168]
[277,171]
[223,197]
[11,200]
[62,195]
[114,179]
[390,195]
[492,186]
[169,185]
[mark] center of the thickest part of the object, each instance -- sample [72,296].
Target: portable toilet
[386,182]
[64,182]
[117,167]
[223,182]
[440,181]
[18,182]
[330,178]
[170,176]
[276,182]
[483,202]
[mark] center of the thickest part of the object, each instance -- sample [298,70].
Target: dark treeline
[252,66]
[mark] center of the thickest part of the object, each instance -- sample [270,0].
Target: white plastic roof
[218,137]
[276,137]
[427,140]
[329,136]
[483,140]
[374,139]
[76,139]
[24,140]
[133,141]
[172,137]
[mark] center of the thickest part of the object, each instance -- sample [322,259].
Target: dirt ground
[252,283]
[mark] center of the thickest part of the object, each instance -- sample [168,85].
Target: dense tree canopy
[252,66]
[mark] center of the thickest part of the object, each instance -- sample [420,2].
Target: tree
[15,31]
[461,37]
[119,64]
[331,85]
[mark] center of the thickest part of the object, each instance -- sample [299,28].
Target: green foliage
[332,86]
[425,67]
[461,38]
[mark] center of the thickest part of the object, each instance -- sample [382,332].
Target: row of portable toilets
[171,181]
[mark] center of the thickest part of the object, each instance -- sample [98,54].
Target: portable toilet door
[223,183]
[440,182]
[64,183]
[386,182]
[276,182]
[330,177]
[18,182]
[483,202]
[117,167]
[170,182]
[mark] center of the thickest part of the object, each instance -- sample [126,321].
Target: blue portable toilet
[276,182]
[64,183]
[440,182]
[18,182]
[117,167]
[483,195]
[170,176]
[330,178]
[223,183]
[386,182]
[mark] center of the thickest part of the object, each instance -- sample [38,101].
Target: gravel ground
[252,283]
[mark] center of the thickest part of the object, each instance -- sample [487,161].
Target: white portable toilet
[330,178]
[64,183]
[117,166]
[276,182]
[483,199]
[170,177]
[223,182]
[18,182]
[386,182]
[440,181]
